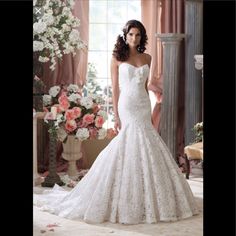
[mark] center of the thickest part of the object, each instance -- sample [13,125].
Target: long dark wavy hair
[121,50]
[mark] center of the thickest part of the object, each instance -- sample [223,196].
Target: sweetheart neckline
[133,65]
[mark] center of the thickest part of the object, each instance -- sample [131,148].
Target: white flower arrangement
[73,114]
[56,31]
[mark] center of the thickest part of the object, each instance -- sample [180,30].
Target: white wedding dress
[135,178]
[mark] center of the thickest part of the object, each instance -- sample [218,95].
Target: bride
[135,178]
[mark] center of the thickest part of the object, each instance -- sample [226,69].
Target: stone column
[169,109]
[193,77]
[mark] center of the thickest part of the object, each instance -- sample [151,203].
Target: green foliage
[198,131]
[91,86]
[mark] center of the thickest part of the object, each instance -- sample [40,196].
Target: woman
[134,179]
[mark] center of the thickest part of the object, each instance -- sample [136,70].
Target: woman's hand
[117,125]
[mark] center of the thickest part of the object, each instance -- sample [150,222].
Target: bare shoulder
[114,61]
[148,58]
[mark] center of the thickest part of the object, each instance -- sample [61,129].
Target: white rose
[39,27]
[74,97]
[73,88]
[87,102]
[47,99]
[102,133]
[37,46]
[53,91]
[82,134]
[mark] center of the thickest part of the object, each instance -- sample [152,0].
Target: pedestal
[72,153]
[52,177]
[36,178]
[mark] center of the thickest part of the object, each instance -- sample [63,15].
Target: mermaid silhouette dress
[135,178]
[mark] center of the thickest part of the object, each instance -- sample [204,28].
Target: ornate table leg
[187,166]
[52,177]
[36,178]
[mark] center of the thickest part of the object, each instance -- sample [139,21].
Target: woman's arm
[115,91]
[149,60]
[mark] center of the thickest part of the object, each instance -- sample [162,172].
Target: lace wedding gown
[135,178]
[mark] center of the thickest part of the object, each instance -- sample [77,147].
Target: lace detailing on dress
[134,179]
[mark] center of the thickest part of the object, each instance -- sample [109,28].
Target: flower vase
[72,153]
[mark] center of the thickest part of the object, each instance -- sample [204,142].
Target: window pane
[98,37]
[98,11]
[99,59]
[134,11]
[117,11]
[92,85]
[107,17]
[113,31]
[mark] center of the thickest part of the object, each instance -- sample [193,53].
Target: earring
[123,37]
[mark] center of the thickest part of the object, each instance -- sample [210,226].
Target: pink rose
[64,102]
[70,125]
[49,116]
[70,115]
[59,108]
[88,118]
[77,111]
[99,121]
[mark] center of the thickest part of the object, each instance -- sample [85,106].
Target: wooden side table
[193,152]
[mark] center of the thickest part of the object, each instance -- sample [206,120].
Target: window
[106,19]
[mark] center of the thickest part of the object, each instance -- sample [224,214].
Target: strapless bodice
[130,75]
[134,102]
